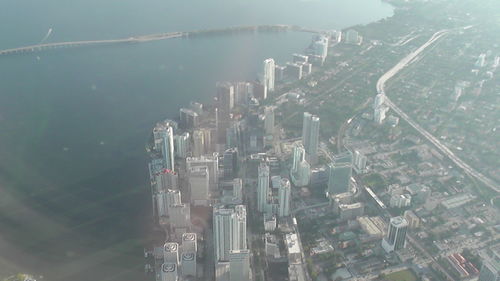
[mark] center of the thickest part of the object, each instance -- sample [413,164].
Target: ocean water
[73,123]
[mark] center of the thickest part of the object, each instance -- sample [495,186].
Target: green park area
[403,275]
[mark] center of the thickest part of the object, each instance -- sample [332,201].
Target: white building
[301,169]
[359,162]
[320,46]
[310,136]
[171,253]
[181,145]
[229,230]
[396,235]
[263,187]
[400,200]
[210,161]
[169,272]
[163,135]
[269,76]
[284,198]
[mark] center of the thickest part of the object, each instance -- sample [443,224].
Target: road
[432,139]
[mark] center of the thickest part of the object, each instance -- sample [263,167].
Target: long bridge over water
[156,37]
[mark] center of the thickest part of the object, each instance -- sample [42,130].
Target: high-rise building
[188,258]
[229,230]
[320,46]
[359,162]
[181,145]
[379,108]
[300,172]
[198,144]
[263,187]
[412,219]
[199,185]
[269,77]
[189,118]
[310,136]
[269,120]
[225,98]
[294,70]
[242,92]
[171,252]
[284,198]
[352,37]
[340,173]
[279,73]
[210,161]
[164,138]
[396,235]
[230,163]
[259,91]
[169,272]
[239,265]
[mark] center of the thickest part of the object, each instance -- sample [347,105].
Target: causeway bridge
[156,37]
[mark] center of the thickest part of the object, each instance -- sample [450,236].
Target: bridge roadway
[152,37]
[432,139]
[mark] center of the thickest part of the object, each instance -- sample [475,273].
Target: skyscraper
[310,136]
[169,272]
[165,136]
[199,185]
[380,109]
[171,252]
[340,172]
[263,187]
[229,230]
[300,172]
[188,259]
[268,77]
[396,235]
[284,197]
[269,120]
[181,145]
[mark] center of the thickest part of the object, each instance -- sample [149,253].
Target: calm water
[73,123]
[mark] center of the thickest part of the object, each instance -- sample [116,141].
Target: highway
[432,139]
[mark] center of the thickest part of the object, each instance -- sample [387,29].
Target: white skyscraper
[167,145]
[396,235]
[269,74]
[210,161]
[310,136]
[229,230]
[269,120]
[320,46]
[263,187]
[379,108]
[284,197]
[301,170]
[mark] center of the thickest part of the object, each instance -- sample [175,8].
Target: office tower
[164,141]
[189,118]
[198,144]
[161,203]
[199,185]
[211,161]
[230,163]
[284,197]
[268,79]
[171,252]
[239,265]
[229,230]
[340,172]
[179,219]
[310,136]
[269,120]
[181,145]
[379,108]
[243,91]
[169,272]
[412,219]
[233,135]
[396,235]
[359,162]
[263,187]
[189,249]
[301,169]
[294,70]
[400,200]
